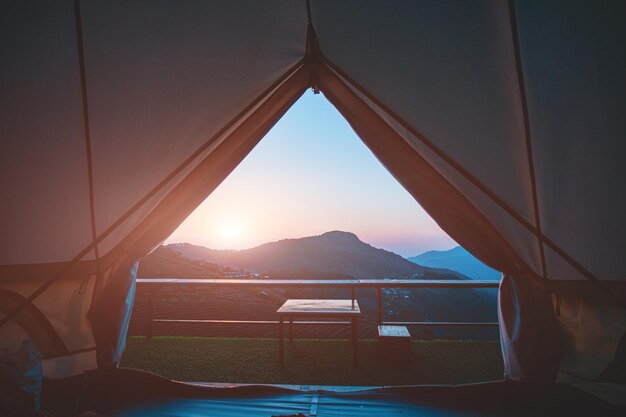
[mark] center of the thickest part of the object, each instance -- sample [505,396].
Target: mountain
[333,254]
[330,255]
[456,259]
[164,262]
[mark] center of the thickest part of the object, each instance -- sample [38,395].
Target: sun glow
[308,176]
[230,230]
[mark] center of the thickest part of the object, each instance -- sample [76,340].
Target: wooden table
[317,308]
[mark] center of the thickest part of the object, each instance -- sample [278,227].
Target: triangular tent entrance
[311,175]
[503,119]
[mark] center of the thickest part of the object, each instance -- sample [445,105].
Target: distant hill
[330,255]
[261,303]
[167,263]
[457,259]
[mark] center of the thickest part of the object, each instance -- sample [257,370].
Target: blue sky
[309,175]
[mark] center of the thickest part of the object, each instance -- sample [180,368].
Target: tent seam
[527,135]
[85,102]
[89,155]
[308,12]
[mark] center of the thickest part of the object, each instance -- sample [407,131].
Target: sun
[230,230]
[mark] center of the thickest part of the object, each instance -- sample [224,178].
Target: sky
[311,174]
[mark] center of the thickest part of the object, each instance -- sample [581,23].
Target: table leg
[150,312]
[280,340]
[355,336]
[353,298]
[291,330]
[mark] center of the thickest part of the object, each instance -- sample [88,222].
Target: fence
[154,284]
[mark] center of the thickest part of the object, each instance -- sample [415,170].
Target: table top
[320,307]
[393,331]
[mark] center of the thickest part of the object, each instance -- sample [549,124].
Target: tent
[504,120]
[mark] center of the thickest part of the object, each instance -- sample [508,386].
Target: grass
[312,362]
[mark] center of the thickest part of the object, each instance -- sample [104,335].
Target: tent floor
[132,393]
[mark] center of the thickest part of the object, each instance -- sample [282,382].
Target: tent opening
[504,120]
[310,202]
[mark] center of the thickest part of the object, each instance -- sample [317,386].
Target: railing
[154,284]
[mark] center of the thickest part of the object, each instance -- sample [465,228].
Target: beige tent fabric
[232,148]
[531,342]
[64,305]
[446,69]
[179,203]
[153,114]
[179,93]
[111,308]
[193,189]
[151,107]
[161,78]
[591,326]
[449,208]
[530,337]
[519,237]
[573,56]
[45,212]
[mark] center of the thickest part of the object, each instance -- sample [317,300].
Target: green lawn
[312,362]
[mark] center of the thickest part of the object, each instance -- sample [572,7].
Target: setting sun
[230,229]
[305,179]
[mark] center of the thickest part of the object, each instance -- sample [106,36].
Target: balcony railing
[154,284]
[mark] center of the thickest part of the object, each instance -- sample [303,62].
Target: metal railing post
[379,302]
[155,284]
[150,311]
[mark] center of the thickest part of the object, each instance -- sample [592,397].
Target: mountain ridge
[456,259]
[332,254]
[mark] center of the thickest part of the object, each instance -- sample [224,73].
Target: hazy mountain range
[457,259]
[333,254]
